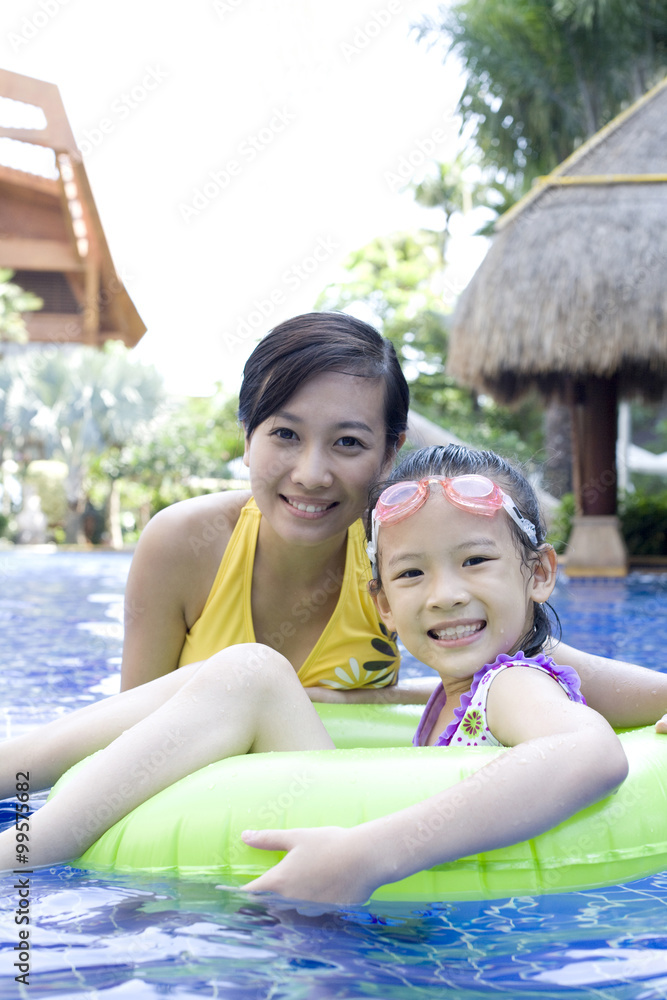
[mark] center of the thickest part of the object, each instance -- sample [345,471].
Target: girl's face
[312,463]
[455,588]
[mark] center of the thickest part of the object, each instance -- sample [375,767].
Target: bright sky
[238,150]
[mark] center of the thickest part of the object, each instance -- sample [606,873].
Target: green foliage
[561,523]
[48,484]
[544,75]
[13,302]
[643,519]
[104,414]
[399,282]
[182,453]
[644,523]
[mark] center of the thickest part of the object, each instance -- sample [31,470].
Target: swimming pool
[141,936]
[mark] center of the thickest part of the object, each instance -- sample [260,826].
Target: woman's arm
[172,572]
[624,693]
[565,757]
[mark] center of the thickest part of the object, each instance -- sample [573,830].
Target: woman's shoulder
[196,528]
[219,510]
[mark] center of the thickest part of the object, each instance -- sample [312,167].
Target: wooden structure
[50,233]
[572,299]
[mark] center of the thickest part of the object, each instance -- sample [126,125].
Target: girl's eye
[475,561]
[410,574]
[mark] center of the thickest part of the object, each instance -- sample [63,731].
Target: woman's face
[312,462]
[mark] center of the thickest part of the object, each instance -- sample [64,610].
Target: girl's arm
[625,694]
[565,756]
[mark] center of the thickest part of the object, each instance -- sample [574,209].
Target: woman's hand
[324,864]
[661,725]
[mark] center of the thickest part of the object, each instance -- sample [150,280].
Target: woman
[324,407]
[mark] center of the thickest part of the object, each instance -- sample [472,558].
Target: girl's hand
[661,725]
[324,864]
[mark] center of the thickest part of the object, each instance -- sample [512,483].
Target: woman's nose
[311,470]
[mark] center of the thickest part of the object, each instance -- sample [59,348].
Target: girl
[463,572]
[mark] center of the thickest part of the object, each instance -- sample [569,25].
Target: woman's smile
[311,463]
[310,509]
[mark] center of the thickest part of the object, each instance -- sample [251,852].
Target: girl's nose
[311,470]
[447,591]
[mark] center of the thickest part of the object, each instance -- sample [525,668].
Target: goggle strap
[526,526]
[372,547]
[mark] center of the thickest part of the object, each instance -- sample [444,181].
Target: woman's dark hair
[456,460]
[309,345]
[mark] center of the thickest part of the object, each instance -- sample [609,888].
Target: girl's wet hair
[456,460]
[311,344]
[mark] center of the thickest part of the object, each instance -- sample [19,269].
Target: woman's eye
[349,442]
[284,433]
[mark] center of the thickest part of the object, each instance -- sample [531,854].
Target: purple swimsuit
[469,727]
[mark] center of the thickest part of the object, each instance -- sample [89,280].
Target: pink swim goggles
[473,493]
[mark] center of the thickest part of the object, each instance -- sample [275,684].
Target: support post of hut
[595,546]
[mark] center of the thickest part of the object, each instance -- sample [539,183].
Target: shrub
[643,518]
[644,523]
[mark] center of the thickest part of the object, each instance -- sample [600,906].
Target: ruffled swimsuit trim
[566,676]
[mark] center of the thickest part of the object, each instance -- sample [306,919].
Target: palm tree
[544,75]
[89,401]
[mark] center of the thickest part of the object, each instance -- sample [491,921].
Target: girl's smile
[457,633]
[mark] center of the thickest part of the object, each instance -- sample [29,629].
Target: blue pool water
[142,936]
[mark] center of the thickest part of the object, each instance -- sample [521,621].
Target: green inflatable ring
[194,826]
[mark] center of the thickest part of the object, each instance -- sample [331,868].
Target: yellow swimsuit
[355,649]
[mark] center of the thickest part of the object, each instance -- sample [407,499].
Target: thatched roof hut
[572,299]
[574,283]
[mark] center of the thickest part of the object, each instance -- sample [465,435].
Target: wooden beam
[54,328]
[91,312]
[38,255]
[596,420]
[57,134]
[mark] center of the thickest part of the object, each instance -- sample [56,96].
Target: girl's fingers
[268,840]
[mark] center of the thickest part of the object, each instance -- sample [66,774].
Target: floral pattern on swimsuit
[469,728]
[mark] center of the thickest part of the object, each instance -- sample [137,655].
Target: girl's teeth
[457,631]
